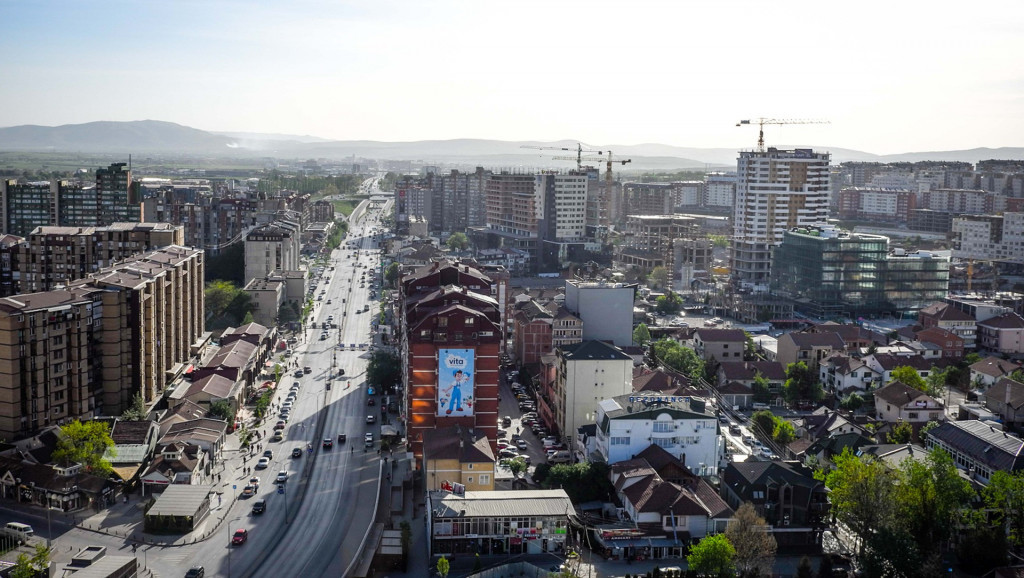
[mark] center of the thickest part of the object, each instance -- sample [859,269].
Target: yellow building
[457,456]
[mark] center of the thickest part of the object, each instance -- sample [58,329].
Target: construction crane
[608,180]
[760,122]
[579,152]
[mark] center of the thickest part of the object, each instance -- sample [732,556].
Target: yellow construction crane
[609,181]
[760,122]
[579,152]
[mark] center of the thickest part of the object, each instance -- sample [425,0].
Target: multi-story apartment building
[26,205]
[648,198]
[54,256]
[270,248]
[989,237]
[947,316]
[874,204]
[117,200]
[826,271]
[960,201]
[451,333]
[78,204]
[719,191]
[86,350]
[606,309]
[688,194]
[776,190]
[588,372]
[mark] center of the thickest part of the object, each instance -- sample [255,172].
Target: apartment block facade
[876,204]
[272,248]
[776,190]
[989,237]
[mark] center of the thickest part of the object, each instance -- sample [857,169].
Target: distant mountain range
[151,136]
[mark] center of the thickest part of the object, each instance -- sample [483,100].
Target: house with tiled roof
[898,402]
[737,395]
[684,508]
[986,372]
[825,449]
[933,342]
[134,442]
[746,371]
[809,348]
[457,455]
[661,380]
[176,463]
[824,423]
[1002,334]
[854,337]
[978,448]
[1006,399]
[952,319]
[208,389]
[719,344]
[207,433]
[785,494]
[843,374]
[884,363]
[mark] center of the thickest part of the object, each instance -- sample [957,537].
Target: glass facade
[830,272]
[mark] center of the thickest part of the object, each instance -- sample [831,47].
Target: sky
[889,77]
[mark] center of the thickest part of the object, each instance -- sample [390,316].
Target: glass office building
[829,272]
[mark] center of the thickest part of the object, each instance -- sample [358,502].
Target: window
[469,480]
[663,426]
[620,441]
[484,479]
[442,322]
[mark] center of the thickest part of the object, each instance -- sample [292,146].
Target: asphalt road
[316,526]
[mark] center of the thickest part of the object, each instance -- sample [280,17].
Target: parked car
[507,453]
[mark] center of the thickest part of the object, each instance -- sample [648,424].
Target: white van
[560,457]
[18,530]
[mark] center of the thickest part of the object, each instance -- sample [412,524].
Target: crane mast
[760,122]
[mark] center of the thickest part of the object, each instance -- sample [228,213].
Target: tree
[762,392]
[443,566]
[583,482]
[909,376]
[862,494]
[783,433]
[85,443]
[928,496]
[31,567]
[668,303]
[223,410]
[938,379]
[248,318]
[1005,496]
[719,241]
[218,296]
[712,556]
[755,548]
[901,433]
[892,553]
[391,274]
[641,335]
[517,466]
[762,423]
[458,242]
[801,383]
[658,277]
[852,402]
[678,357]
[137,410]
[384,369]
[923,434]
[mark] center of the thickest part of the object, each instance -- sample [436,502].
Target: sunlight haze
[890,77]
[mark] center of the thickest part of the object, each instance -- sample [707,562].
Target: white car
[282,477]
[263,463]
[370,419]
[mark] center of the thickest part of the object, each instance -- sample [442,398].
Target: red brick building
[451,342]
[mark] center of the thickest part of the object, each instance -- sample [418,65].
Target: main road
[317,525]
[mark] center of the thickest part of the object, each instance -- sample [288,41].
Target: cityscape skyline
[594,72]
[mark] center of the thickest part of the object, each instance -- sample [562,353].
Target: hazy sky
[890,76]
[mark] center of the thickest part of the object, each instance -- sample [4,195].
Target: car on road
[196,572]
[298,373]
[368,440]
[259,506]
[521,444]
[241,535]
[278,436]
[255,482]
[342,438]
[248,491]
[328,443]
[281,424]
[263,464]
[282,477]
[371,402]
[371,419]
[506,421]
[297,453]
[268,454]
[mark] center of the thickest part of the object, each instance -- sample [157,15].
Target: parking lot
[519,435]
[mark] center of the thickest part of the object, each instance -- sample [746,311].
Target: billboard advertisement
[455,375]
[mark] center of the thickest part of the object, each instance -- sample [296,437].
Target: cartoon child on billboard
[459,378]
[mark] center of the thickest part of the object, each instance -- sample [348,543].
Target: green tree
[221,409]
[137,410]
[1004,495]
[678,357]
[384,369]
[584,482]
[218,295]
[719,241]
[668,303]
[928,496]
[391,274]
[458,242]
[923,434]
[712,556]
[755,548]
[517,466]
[891,553]
[862,494]
[909,376]
[641,335]
[443,566]
[248,318]
[901,433]
[783,433]
[852,402]
[658,277]
[801,383]
[1017,375]
[761,389]
[34,566]
[971,359]
[85,443]
[762,423]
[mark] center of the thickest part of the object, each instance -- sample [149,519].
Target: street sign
[234,487]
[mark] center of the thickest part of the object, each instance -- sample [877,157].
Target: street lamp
[230,543]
